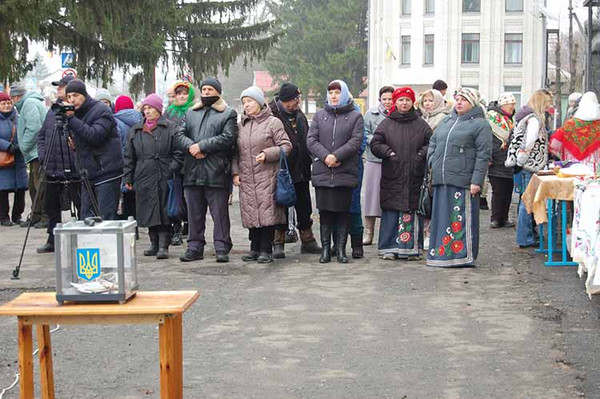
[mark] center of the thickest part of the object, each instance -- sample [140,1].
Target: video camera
[62,109]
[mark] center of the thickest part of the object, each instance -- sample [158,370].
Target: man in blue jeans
[98,148]
[526,234]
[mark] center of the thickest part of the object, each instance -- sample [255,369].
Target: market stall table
[585,240]
[164,308]
[538,198]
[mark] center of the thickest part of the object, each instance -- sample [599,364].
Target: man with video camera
[62,179]
[98,148]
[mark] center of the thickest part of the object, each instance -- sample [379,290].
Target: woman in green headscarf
[184,99]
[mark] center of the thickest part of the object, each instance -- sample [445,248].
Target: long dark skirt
[454,229]
[335,199]
[400,233]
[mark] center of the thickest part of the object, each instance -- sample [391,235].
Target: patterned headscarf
[180,110]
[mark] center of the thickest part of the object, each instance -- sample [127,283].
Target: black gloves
[12,148]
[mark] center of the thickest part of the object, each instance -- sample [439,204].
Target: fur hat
[18,89]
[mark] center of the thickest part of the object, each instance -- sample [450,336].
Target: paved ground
[509,328]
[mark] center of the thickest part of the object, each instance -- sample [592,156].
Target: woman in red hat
[401,140]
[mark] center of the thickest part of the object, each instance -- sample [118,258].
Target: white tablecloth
[585,239]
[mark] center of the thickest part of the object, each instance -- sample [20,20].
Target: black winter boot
[279,245]
[342,239]
[357,246]
[153,250]
[325,243]
[164,238]
[177,239]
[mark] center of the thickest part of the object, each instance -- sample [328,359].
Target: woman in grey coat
[150,160]
[334,140]
[458,155]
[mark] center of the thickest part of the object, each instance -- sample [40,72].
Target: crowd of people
[168,165]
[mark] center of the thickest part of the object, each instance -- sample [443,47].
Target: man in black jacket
[208,136]
[286,107]
[62,180]
[98,146]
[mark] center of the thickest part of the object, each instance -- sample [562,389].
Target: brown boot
[369,230]
[279,244]
[309,244]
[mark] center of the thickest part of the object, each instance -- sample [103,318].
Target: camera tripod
[59,130]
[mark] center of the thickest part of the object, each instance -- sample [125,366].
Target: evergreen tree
[323,40]
[198,37]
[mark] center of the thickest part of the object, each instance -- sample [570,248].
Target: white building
[492,45]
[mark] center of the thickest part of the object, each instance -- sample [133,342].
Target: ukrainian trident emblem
[88,263]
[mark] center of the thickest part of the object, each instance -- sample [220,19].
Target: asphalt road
[509,328]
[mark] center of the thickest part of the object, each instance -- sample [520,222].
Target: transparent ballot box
[95,260]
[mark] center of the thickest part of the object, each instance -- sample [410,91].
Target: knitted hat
[288,92]
[76,86]
[439,85]
[18,89]
[254,93]
[103,94]
[123,102]
[4,96]
[506,98]
[403,92]
[154,101]
[469,94]
[213,82]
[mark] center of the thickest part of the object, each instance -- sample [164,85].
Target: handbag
[6,158]
[425,196]
[175,207]
[285,192]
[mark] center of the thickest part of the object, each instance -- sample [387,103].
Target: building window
[405,53]
[516,91]
[514,5]
[428,50]
[513,48]
[429,6]
[471,5]
[405,7]
[470,48]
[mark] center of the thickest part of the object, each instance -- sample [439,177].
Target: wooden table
[164,308]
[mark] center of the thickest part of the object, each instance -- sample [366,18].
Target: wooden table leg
[171,357]
[45,350]
[25,360]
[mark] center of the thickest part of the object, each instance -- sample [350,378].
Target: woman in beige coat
[260,140]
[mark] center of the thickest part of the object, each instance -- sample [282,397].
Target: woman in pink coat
[260,140]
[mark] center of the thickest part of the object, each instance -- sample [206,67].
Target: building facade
[492,45]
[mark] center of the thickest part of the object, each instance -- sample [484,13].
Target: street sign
[68,60]
[69,71]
